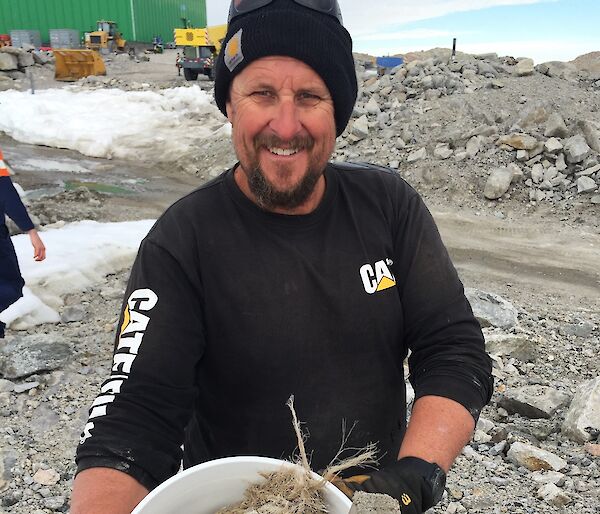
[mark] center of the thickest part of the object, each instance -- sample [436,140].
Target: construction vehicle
[199,49]
[106,38]
[73,64]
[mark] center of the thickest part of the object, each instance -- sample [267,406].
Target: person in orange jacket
[11,281]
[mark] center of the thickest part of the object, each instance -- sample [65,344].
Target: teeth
[283,151]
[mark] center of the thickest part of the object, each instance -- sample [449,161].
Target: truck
[198,50]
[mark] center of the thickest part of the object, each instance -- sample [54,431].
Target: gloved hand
[410,480]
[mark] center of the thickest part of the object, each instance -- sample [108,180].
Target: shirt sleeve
[448,355]
[13,205]
[137,422]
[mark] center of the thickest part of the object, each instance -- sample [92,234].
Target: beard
[264,191]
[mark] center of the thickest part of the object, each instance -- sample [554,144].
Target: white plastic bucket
[207,487]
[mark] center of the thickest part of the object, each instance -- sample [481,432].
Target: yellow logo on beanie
[233,51]
[232,48]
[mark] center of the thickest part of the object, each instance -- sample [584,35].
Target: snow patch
[152,126]
[79,256]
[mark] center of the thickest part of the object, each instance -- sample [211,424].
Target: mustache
[272,141]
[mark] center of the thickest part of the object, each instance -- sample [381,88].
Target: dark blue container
[389,62]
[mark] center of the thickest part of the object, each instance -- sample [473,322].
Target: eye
[262,94]
[306,98]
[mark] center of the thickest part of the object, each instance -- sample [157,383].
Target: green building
[138,20]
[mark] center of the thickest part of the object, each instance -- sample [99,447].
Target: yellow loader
[106,37]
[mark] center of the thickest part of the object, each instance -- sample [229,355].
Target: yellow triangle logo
[385,283]
[126,320]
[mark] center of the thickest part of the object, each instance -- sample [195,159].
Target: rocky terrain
[507,156]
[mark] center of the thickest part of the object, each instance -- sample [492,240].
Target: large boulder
[534,459]
[556,127]
[576,149]
[5,82]
[486,69]
[368,503]
[13,50]
[491,309]
[518,141]
[8,460]
[498,183]
[534,401]
[553,145]
[473,146]
[25,60]
[518,347]
[586,185]
[8,62]
[591,133]
[25,355]
[40,58]
[524,67]
[582,422]
[360,127]
[553,495]
[533,116]
[417,155]
[372,106]
[557,69]
[443,151]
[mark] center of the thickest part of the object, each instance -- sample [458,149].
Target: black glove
[417,484]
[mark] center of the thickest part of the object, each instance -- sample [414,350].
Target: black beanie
[287,29]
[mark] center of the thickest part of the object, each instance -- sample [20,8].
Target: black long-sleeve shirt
[230,309]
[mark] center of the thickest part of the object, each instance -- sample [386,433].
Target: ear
[229,109]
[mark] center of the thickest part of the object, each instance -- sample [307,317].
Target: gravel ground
[541,255]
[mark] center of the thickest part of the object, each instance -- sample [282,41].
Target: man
[11,281]
[287,274]
[178,64]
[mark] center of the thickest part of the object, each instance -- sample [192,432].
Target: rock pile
[536,447]
[15,61]
[535,148]
[538,435]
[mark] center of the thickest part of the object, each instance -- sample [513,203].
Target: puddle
[70,185]
[50,166]
[36,194]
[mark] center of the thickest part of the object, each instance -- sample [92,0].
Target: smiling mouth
[285,152]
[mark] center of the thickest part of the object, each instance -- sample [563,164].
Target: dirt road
[532,260]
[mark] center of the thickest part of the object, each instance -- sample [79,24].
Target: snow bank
[80,255]
[110,123]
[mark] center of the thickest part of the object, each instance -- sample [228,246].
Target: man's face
[283,133]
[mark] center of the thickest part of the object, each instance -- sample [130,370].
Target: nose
[286,122]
